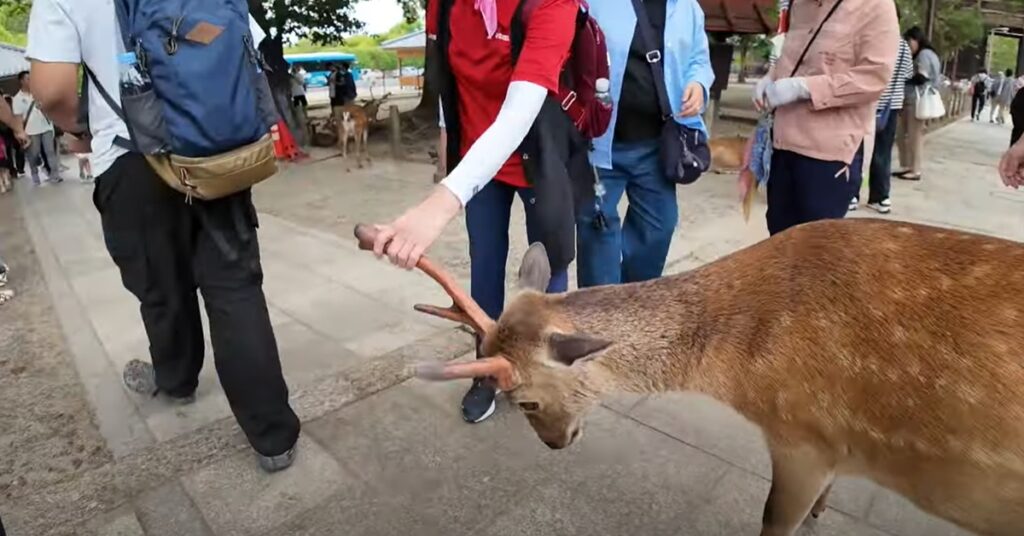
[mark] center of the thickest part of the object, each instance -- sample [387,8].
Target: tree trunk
[272,50]
[427,108]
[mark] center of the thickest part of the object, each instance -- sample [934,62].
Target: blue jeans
[487,219]
[879,177]
[802,189]
[634,249]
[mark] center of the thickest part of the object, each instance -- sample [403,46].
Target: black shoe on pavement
[273,464]
[140,377]
[478,404]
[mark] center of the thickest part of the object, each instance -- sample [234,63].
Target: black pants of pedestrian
[166,250]
[977,105]
[802,189]
[15,154]
[880,174]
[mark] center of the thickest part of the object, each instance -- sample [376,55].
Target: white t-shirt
[86,31]
[37,122]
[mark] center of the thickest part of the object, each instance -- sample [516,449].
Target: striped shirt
[904,70]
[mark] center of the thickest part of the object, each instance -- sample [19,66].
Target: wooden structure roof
[740,16]
[1002,14]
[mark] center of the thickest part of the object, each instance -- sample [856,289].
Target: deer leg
[366,145]
[799,478]
[822,503]
[360,149]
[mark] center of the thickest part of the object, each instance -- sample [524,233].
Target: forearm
[490,152]
[55,89]
[699,68]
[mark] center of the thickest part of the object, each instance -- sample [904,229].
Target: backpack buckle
[653,56]
[568,101]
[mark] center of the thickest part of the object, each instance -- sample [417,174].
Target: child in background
[5,172]
[79,149]
[84,167]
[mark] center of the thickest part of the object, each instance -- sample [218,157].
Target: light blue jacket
[686,58]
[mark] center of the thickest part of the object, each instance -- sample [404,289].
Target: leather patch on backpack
[204,33]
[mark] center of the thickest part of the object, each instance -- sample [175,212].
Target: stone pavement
[381,455]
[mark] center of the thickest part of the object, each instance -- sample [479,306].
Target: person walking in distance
[836,62]
[298,84]
[927,75]
[979,92]
[14,125]
[611,249]
[890,106]
[39,127]
[346,85]
[1002,96]
[166,246]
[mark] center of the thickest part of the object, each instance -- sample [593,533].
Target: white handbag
[929,104]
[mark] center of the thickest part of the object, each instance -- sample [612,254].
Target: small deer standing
[353,124]
[881,349]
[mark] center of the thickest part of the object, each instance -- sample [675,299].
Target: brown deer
[727,153]
[372,106]
[881,349]
[353,123]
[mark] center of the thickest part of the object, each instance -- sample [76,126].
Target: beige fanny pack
[213,177]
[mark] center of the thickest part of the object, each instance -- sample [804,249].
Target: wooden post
[929,24]
[710,114]
[1020,57]
[396,132]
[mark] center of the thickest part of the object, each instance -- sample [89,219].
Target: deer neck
[667,334]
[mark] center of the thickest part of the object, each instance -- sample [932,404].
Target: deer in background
[353,124]
[372,106]
[918,385]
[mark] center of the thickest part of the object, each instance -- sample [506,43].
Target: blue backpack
[205,124]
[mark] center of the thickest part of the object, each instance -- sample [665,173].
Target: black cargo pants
[166,249]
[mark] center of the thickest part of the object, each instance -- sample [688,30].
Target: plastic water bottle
[602,91]
[134,80]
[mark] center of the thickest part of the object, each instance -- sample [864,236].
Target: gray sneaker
[273,464]
[140,377]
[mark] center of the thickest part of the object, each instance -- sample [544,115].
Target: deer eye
[529,406]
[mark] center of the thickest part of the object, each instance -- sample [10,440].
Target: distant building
[12,62]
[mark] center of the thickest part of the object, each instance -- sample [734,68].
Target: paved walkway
[381,455]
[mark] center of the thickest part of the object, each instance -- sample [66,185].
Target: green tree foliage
[14,21]
[366,48]
[957,24]
[1004,53]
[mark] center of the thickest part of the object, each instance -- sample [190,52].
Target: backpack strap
[123,10]
[567,97]
[127,145]
[654,57]
[814,37]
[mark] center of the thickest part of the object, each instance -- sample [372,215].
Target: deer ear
[535,272]
[568,349]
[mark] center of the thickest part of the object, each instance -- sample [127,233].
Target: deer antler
[463,309]
[496,367]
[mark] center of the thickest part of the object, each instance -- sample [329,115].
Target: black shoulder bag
[685,154]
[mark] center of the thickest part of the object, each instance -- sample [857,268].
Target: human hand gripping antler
[463,310]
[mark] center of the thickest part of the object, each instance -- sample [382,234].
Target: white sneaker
[854,203]
[879,208]
[886,202]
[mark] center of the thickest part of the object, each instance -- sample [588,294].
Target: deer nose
[554,446]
